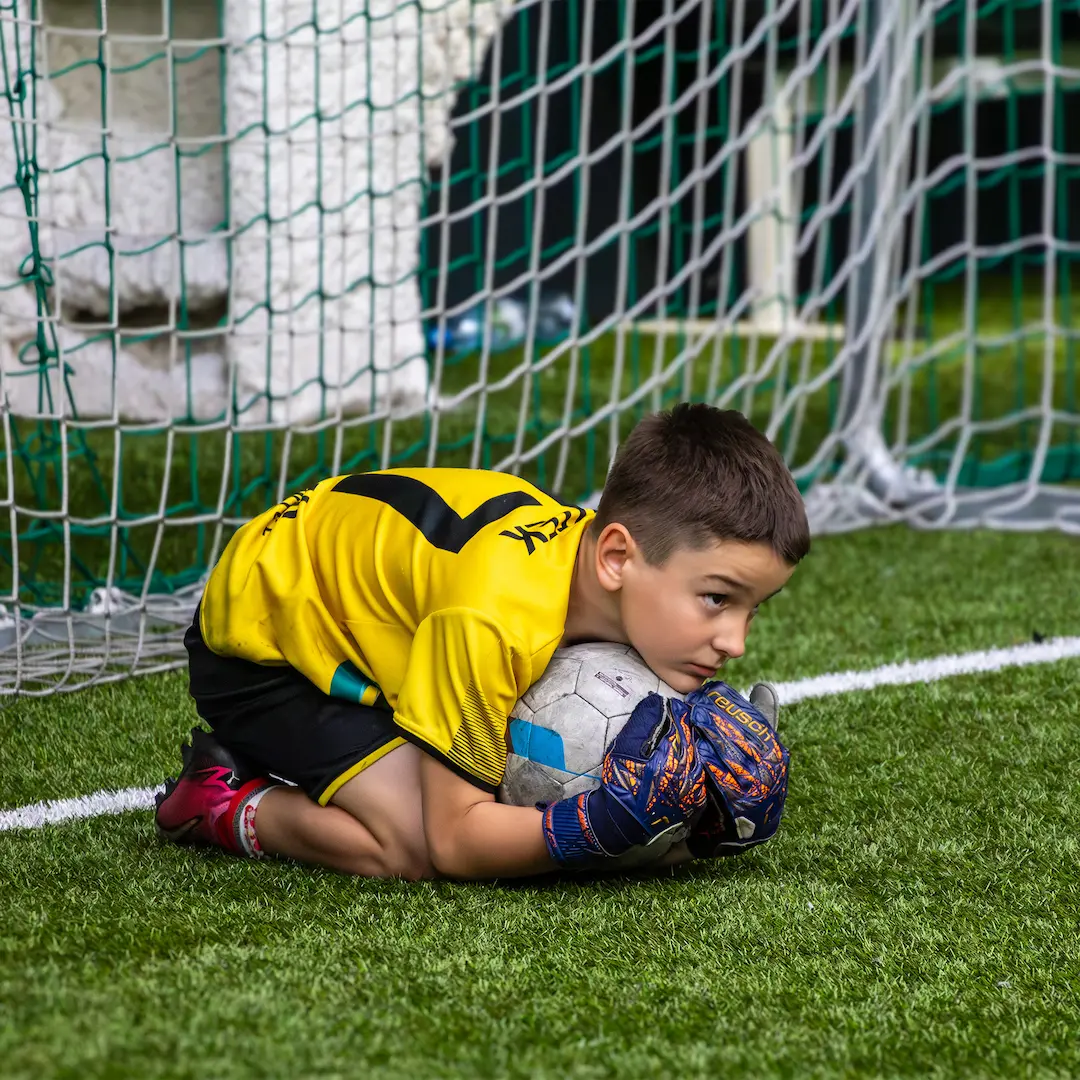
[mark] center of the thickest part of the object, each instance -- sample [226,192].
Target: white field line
[923,671]
[82,806]
[919,671]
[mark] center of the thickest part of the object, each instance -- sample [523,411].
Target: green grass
[915,916]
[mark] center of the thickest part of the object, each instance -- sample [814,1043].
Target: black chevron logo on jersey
[441,525]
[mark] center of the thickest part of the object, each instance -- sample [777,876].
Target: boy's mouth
[701,670]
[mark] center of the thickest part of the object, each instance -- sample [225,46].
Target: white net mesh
[246,246]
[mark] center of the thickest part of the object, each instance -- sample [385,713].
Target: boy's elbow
[445,864]
[465,831]
[459,848]
[446,852]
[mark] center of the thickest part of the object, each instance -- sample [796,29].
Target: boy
[368,638]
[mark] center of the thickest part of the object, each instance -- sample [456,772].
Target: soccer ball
[562,725]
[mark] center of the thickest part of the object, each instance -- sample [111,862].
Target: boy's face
[689,616]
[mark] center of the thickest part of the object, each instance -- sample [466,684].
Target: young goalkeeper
[367,640]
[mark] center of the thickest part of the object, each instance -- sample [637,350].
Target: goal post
[247,245]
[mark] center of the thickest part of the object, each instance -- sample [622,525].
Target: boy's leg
[373,826]
[271,720]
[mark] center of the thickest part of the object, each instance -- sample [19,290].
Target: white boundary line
[82,806]
[920,671]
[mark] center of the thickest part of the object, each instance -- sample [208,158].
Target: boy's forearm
[493,840]
[471,836]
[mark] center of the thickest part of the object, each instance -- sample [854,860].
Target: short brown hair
[696,474]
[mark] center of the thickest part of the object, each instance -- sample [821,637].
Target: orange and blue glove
[746,771]
[652,790]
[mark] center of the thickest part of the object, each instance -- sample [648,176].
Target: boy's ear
[614,549]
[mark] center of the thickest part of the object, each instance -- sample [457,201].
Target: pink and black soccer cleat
[209,802]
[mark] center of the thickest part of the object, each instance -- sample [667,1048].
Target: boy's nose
[730,642]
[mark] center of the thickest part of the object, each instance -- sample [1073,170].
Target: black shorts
[282,723]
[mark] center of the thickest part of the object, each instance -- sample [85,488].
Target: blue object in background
[464,333]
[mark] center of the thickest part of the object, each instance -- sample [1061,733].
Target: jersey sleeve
[462,681]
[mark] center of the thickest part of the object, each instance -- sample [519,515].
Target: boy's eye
[716,599]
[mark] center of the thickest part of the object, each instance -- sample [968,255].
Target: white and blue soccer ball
[564,722]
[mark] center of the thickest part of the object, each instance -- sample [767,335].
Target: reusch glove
[746,769]
[651,790]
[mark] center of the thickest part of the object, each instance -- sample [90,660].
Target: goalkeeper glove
[746,768]
[651,791]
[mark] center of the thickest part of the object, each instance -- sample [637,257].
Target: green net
[248,247]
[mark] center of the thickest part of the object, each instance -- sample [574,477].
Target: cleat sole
[181,834]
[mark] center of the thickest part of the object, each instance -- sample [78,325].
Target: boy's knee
[409,865]
[394,851]
[403,853]
[385,799]
[383,860]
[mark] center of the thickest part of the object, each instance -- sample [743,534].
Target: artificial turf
[915,916]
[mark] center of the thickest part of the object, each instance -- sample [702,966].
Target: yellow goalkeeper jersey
[444,589]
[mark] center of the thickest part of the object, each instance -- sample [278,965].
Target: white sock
[244,824]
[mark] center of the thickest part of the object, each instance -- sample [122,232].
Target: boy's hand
[652,788]
[746,768]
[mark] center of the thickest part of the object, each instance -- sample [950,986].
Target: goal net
[245,245]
